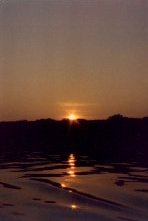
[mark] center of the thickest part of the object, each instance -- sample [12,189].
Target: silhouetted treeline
[115,138]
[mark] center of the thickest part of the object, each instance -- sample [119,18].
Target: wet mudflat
[38,186]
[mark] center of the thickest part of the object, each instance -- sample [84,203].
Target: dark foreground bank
[115,138]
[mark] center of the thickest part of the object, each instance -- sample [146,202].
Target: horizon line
[78,119]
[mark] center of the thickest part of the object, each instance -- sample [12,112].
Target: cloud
[75,104]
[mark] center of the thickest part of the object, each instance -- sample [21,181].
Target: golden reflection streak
[74,206]
[71,162]
[71,169]
[63,185]
[71,173]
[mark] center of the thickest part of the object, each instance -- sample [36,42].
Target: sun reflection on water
[71,162]
[74,206]
[63,185]
[71,171]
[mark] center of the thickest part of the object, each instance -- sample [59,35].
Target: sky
[83,56]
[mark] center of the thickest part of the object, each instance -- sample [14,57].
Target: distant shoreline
[79,119]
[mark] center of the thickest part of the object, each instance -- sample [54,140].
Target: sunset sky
[89,57]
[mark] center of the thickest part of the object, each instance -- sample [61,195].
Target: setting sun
[72,117]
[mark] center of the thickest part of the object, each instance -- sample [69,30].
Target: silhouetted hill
[115,138]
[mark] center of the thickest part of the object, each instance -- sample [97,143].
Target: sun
[72,117]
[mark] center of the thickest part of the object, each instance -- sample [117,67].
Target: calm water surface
[69,187]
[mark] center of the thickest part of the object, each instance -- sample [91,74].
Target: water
[36,187]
